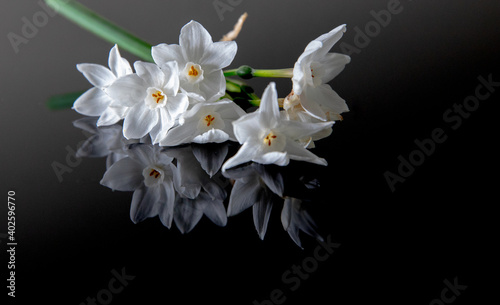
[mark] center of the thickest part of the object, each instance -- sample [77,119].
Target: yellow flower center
[269,138]
[158,95]
[209,119]
[192,71]
[154,173]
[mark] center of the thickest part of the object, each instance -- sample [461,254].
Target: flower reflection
[148,172]
[181,184]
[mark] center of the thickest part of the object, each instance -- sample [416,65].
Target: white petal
[139,121]
[219,55]
[327,98]
[272,179]
[186,214]
[261,212]
[128,90]
[229,109]
[86,123]
[118,65]
[177,105]
[273,157]
[294,219]
[179,135]
[109,117]
[269,112]
[211,136]
[245,154]
[163,127]
[329,39]
[213,86]
[247,127]
[167,210]
[95,146]
[92,103]
[171,71]
[215,191]
[146,203]
[143,154]
[187,173]
[311,104]
[298,152]
[164,53]
[124,175]
[244,194]
[333,64]
[286,213]
[215,211]
[194,40]
[210,157]
[97,75]
[298,130]
[151,74]
[303,65]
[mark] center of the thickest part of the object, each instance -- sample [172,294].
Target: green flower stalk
[101,27]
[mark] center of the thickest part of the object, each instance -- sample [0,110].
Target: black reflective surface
[407,88]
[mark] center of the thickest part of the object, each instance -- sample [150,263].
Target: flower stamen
[193,71]
[158,96]
[209,119]
[154,173]
[269,137]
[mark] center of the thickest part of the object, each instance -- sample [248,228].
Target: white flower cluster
[178,99]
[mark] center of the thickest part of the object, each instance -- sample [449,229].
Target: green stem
[101,27]
[247,72]
[63,101]
[231,72]
[279,73]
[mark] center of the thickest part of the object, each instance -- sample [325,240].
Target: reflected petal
[186,214]
[210,156]
[261,212]
[124,175]
[146,203]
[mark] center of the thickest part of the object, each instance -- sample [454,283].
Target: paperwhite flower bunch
[182,98]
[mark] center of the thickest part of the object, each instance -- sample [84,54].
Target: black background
[396,247]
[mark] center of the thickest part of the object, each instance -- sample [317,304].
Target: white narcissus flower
[269,139]
[311,73]
[205,123]
[95,101]
[147,172]
[298,113]
[153,98]
[200,62]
